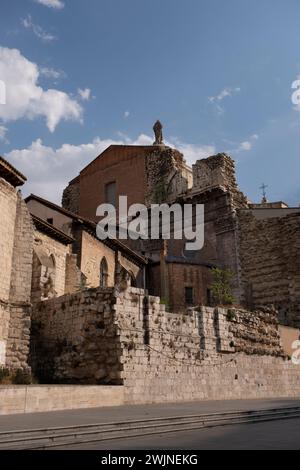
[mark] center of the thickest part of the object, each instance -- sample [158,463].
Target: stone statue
[158,133]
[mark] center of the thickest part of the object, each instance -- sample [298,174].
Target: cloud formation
[85,94]
[52,73]
[57,4]
[3,132]
[37,30]
[244,146]
[26,99]
[225,93]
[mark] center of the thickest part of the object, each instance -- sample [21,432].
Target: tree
[221,286]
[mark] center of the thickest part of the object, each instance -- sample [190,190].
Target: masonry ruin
[16,247]
[140,313]
[127,338]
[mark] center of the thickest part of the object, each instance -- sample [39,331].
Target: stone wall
[75,280]
[4,330]
[215,171]
[74,338]
[16,245]
[20,283]
[49,260]
[270,263]
[110,337]
[71,196]
[167,175]
[218,171]
[36,398]
[17,347]
[92,253]
[8,205]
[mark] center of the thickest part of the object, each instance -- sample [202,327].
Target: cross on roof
[263,188]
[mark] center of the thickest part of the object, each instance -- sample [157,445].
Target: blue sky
[82,74]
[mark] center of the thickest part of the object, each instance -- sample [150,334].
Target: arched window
[103,273]
[53,262]
[132,279]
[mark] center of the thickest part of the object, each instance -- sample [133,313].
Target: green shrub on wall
[221,287]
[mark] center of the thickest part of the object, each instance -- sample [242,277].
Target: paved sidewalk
[125,413]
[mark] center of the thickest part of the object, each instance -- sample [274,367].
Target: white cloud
[226,92]
[85,94]
[192,152]
[26,99]
[126,114]
[52,73]
[246,145]
[3,132]
[57,4]
[223,94]
[37,30]
[49,169]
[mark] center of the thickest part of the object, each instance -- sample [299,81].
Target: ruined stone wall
[220,236]
[8,205]
[17,347]
[176,356]
[270,263]
[16,244]
[4,329]
[105,336]
[167,175]
[20,284]
[218,171]
[71,196]
[74,277]
[74,339]
[49,249]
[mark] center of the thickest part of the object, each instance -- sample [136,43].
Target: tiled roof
[11,174]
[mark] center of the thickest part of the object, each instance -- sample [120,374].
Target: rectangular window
[209,297]
[111,193]
[189,295]
[50,221]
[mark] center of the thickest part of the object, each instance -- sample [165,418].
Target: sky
[80,75]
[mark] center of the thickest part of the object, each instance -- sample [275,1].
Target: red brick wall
[186,275]
[123,165]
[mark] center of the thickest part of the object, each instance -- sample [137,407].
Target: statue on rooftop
[157,128]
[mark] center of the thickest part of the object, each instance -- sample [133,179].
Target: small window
[209,297]
[103,273]
[50,221]
[189,295]
[111,193]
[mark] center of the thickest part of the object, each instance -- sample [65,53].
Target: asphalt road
[283,434]
[278,435]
